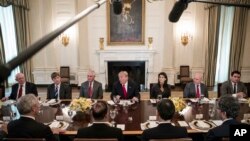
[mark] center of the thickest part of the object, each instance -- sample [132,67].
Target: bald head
[197,78]
[20,78]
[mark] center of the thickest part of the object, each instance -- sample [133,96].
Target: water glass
[159,97]
[112,114]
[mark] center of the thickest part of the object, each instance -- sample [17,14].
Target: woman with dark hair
[161,88]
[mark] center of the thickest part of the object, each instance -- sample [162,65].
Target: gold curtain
[20,13]
[238,39]
[212,45]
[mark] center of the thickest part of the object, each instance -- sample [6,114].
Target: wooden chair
[218,89]
[95,139]
[65,74]
[24,139]
[184,75]
[174,139]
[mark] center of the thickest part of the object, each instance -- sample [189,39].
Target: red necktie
[197,91]
[20,91]
[90,90]
[124,91]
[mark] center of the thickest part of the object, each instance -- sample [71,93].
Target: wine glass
[112,114]
[211,111]
[159,97]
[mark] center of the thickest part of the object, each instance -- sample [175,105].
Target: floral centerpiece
[80,104]
[179,103]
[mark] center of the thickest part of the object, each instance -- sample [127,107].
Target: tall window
[9,38]
[225,34]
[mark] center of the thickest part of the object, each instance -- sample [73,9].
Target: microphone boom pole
[5,69]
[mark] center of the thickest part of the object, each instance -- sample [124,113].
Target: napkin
[194,100]
[217,122]
[110,102]
[121,126]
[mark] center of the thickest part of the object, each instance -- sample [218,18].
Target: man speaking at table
[125,88]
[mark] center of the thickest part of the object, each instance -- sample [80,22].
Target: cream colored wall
[82,51]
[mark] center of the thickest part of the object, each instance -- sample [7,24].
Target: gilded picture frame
[127,28]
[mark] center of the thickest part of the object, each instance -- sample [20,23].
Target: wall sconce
[101,45]
[185,38]
[150,41]
[64,39]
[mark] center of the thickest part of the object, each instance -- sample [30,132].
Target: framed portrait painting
[128,27]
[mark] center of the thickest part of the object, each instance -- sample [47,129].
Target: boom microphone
[177,10]
[117,7]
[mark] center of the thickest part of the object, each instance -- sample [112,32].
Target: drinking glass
[112,114]
[70,113]
[159,97]
[211,111]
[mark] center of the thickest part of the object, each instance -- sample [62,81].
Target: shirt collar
[28,116]
[96,122]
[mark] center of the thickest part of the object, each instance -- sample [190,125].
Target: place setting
[151,123]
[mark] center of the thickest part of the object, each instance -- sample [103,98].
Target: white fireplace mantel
[125,55]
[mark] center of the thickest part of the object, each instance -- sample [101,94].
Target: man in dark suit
[21,88]
[234,86]
[26,127]
[195,89]
[91,88]
[101,128]
[125,88]
[58,90]
[165,130]
[228,109]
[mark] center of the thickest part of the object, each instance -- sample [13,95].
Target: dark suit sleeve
[205,91]
[153,93]
[114,91]
[49,134]
[224,88]
[67,91]
[210,136]
[33,89]
[13,93]
[81,91]
[136,93]
[186,91]
[48,92]
[100,91]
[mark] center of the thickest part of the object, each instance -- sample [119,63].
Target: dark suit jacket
[29,128]
[227,88]
[132,90]
[190,90]
[30,88]
[100,130]
[97,90]
[164,131]
[64,92]
[218,132]
[155,90]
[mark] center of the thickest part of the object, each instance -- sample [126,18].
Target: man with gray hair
[91,88]
[26,127]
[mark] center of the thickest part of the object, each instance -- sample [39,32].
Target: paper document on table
[183,123]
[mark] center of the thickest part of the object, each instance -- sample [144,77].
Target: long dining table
[133,115]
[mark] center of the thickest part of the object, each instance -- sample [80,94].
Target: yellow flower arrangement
[179,103]
[80,104]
